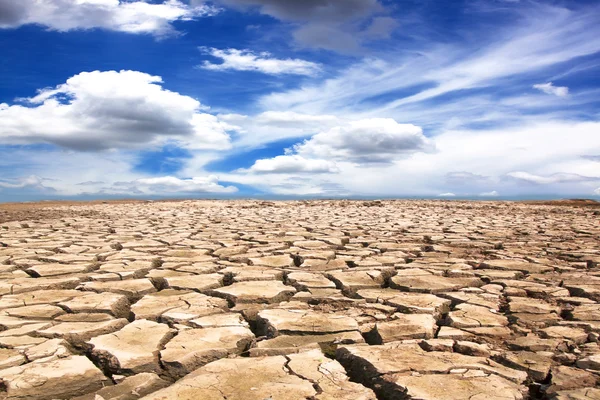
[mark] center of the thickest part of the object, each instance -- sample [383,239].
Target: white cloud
[376,140]
[104,110]
[246,60]
[597,192]
[482,157]
[554,178]
[549,88]
[140,17]
[446,195]
[171,185]
[291,164]
[493,193]
[30,182]
[269,126]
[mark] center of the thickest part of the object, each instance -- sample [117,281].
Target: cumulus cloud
[376,140]
[537,149]
[550,179]
[264,62]
[361,143]
[328,24]
[123,16]
[29,182]
[549,88]
[171,185]
[104,110]
[292,164]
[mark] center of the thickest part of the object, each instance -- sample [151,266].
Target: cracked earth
[247,300]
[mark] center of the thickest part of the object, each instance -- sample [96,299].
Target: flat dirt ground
[257,300]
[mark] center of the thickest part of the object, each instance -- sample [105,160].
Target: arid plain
[248,300]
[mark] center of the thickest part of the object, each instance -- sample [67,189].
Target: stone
[11,358]
[530,306]
[413,303]
[114,304]
[306,280]
[198,283]
[401,358]
[327,376]
[455,387]
[130,388]
[405,326]
[62,378]
[352,281]
[536,365]
[48,270]
[132,349]
[40,311]
[575,335]
[566,378]
[472,316]
[240,378]
[134,289]
[516,265]
[533,343]
[590,362]
[80,332]
[38,297]
[193,348]
[255,292]
[432,283]
[290,344]
[49,350]
[273,261]
[220,320]
[153,305]
[277,321]
[589,312]
[578,394]
[471,348]
[24,285]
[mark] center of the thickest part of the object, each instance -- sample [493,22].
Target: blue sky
[301,98]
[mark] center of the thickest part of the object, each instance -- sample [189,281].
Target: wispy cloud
[442,83]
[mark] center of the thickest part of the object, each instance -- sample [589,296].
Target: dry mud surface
[299,300]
